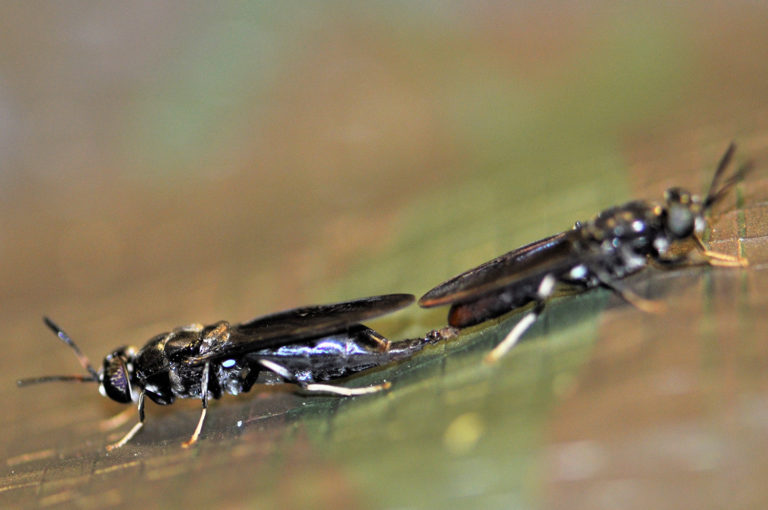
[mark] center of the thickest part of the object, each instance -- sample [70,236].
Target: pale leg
[133,430]
[323,388]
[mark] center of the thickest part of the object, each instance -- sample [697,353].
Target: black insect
[599,253]
[305,346]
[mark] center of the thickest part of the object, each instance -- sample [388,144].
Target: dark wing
[297,324]
[551,254]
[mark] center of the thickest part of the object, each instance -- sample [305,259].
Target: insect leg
[639,302]
[545,290]
[382,344]
[720,259]
[134,429]
[323,388]
[204,392]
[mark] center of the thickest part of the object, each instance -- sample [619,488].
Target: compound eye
[116,382]
[680,221]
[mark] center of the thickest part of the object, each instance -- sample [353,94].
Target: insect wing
[547,255]
[297,324]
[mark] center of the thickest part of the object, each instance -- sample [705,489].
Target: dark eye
[116,382]
[680,221]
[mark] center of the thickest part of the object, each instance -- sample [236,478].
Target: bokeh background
[177,162]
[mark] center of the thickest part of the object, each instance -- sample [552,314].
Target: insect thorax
[622,238]
[164,372]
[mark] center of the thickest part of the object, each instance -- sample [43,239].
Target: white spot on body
[546,286]
[635,262]
[661,244]
[228,363]
[699,225]
[578,272]
[176,384]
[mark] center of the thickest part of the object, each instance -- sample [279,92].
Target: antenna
[82,358]
[721,166]
[716,191]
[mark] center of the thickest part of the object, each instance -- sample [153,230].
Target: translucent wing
[551,254]
[295,325]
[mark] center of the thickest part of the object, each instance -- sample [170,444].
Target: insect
[616,243]
[307,346]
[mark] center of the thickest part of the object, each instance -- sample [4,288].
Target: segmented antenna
[82,358]
[716,190]
[721,166]
[53,378]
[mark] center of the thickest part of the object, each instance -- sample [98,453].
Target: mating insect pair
[314,345]
[307,346]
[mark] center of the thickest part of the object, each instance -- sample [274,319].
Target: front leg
[204,397]
[701,256]
[628,295]
[133,430]
[714,258]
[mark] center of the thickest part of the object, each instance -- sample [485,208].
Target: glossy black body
[616,243]
[170,366]
[306,346]
[303,346]
[315,344]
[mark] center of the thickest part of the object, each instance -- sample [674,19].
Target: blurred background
[162,164]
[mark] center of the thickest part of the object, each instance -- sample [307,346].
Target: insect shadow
[602,252]
[311,347]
